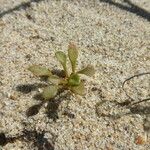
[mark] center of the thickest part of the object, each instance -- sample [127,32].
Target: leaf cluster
[70,81]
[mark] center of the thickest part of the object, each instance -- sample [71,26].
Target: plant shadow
[131,8]
[27,88]
[38,140]
[134,109]
[59,73]
[52,104]
[52,109]
[34,110]
[141,110]
[23,5]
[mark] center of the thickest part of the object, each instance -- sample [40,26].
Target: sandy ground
[111,36]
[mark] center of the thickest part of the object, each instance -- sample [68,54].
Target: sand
[111,36]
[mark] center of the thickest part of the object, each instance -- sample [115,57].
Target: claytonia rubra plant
[70,80]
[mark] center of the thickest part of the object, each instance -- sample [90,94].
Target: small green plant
[70,81]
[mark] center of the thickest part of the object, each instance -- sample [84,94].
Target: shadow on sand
[24,5]
[130,8]
[36,138]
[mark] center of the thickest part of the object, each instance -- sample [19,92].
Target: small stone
[13,97]
[139,140]
[28,57]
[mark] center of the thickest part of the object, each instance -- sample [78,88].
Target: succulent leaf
[50,92]
[54,79]
[62,58]
[73,55]
[39,70]
[74,80]
[80,89]
[89,71]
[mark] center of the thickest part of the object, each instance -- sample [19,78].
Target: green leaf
[62,58]
[39,70]
[74,80]
[80,89]
[49,92]
[73,55]
[54,79]
[89,71]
